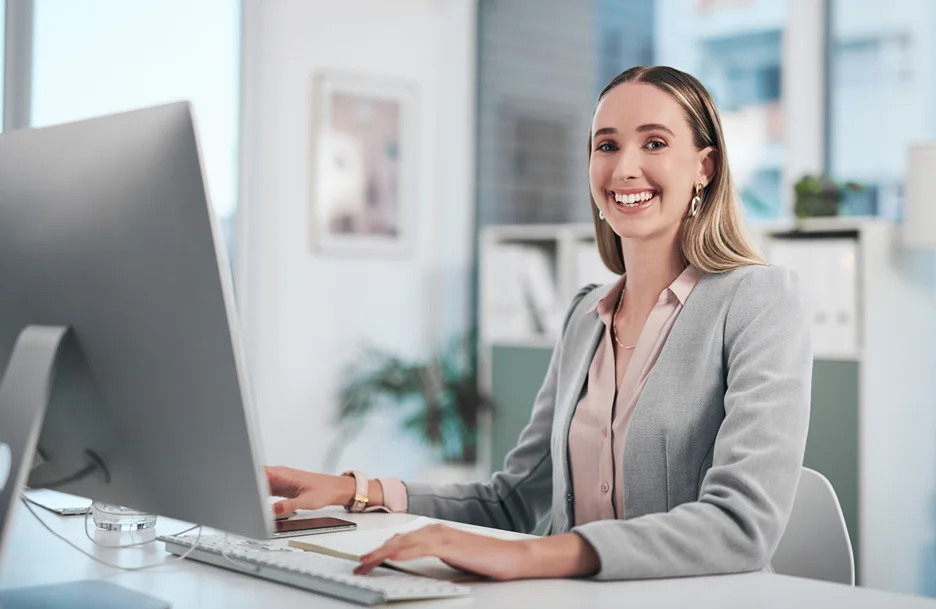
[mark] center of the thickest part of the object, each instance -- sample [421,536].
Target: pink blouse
[599,426]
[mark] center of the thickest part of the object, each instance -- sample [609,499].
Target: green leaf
[438,397]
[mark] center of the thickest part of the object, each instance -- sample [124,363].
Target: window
[882,97]
[545,61]
[2,56]
[102,56]
[734,48]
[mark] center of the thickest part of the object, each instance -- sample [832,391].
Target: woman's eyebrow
[640,129]
[655,127]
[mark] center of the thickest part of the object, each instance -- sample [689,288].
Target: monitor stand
[24,398]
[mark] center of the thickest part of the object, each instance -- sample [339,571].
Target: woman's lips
[633,208]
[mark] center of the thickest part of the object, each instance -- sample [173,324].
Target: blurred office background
[491,233]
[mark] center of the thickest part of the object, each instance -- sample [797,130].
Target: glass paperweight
[120,519]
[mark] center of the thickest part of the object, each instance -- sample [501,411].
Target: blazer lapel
[687,324]
[578,354]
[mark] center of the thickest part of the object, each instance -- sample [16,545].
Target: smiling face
[644,163]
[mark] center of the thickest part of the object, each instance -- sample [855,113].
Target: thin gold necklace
[617,309]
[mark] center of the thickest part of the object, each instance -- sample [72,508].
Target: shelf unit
[564,259]
[523,356]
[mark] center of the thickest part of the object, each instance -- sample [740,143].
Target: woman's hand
[557,556]
[307,491]
[495,558]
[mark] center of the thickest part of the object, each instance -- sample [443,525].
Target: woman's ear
[708,162]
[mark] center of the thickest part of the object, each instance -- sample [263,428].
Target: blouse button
[604,487]
[604,432]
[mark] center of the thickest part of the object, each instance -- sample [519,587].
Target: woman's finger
[285,506]
[281,485]
[408,552]
[416,550]
[389,551]
[427,541]
[383,552]
[372,560]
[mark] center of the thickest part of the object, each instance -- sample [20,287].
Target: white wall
[305,314]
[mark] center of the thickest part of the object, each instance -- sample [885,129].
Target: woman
[668,436]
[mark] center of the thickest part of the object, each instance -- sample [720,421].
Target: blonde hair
[715,239]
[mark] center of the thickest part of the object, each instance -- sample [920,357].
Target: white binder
[827,270]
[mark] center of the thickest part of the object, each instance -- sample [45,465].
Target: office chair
[816,544]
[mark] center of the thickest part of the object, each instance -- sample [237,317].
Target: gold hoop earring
[696,200]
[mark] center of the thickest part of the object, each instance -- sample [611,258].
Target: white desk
[36,557]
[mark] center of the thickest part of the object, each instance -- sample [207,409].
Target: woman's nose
[628,165]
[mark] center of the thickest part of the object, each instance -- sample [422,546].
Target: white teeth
[633,199]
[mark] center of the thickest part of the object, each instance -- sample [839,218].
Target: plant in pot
[438,399]
[820,196]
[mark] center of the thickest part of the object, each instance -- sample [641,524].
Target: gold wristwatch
[359,502]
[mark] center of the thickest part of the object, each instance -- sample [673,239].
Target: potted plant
[438,399]
[819,195]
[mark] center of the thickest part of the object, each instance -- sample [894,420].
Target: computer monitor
[116,283]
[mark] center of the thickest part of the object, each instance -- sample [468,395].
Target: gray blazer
[714,449]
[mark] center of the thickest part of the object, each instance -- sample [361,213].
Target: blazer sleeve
[746,496]
[518,497]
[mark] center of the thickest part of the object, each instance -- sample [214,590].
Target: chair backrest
[816,543]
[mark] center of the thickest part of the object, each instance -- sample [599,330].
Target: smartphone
[311,526]
[60,503]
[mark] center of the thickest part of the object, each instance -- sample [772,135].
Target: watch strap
[359,501]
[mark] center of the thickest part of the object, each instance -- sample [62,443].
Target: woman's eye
[654,145]
[606,147]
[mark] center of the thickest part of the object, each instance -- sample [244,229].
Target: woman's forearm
[558,556]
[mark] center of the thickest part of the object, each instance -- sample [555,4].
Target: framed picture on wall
[363,186]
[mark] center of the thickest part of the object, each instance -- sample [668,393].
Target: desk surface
[35,557]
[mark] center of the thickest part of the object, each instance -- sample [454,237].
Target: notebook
[353,545]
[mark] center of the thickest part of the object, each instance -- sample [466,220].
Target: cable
[104,562]
[95,463]
[236,563]
[79,475]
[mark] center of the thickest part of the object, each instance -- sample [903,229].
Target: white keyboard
[311,571]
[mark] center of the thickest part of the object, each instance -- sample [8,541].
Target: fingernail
[277,508]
